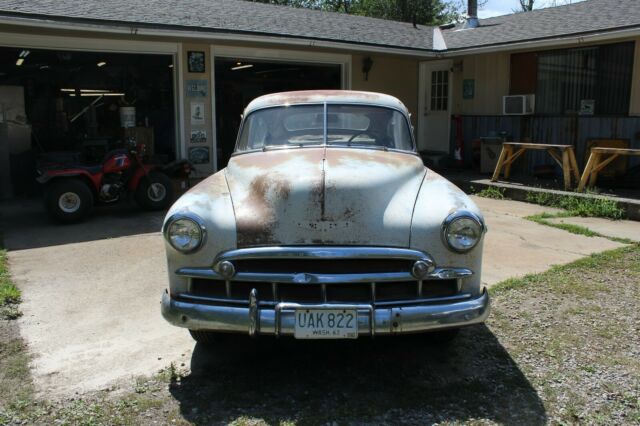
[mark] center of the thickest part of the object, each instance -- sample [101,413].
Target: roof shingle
[232,16]
[244,17]
[578,18]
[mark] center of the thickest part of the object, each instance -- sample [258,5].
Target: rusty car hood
[336,196]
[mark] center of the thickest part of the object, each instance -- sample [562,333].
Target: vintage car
[324,225]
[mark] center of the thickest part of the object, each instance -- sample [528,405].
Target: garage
[75,106]
[240,80]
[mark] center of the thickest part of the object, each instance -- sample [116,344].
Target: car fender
[211,201]
[437,199]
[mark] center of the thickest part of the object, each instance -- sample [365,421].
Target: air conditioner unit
[518,104]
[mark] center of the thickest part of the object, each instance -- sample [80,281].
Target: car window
[282,126]
[364,125]
[347,125]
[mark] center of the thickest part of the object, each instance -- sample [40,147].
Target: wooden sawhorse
[597,162]
[562,154]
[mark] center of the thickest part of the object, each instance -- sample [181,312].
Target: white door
[435,106]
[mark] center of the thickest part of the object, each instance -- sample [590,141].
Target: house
[176,76]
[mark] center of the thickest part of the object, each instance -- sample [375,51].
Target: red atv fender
[48,175]
[140,172]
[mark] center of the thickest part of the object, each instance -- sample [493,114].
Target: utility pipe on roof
[472,14]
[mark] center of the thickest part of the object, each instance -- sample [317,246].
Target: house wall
[491,75]
[491,72]
[396,76]
[482,115]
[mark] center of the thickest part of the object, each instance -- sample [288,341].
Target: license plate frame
[325,323]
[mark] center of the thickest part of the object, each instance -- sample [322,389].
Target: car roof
[321,96]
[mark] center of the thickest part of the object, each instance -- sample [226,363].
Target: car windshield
[347,125]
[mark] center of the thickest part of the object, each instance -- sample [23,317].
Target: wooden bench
[562,154]
[598,160]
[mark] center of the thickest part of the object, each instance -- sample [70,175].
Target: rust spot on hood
[255,213]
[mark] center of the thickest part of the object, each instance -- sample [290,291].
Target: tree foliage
[526,5]
[425,12]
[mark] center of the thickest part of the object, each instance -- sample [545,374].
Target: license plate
[326,324]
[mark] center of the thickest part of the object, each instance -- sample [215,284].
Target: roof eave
[554,41]
[208,34]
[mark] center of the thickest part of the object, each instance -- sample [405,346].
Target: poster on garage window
[199,155]
[198,136]
[197,113]
[197,88]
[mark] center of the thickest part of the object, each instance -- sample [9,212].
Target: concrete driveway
[91,291]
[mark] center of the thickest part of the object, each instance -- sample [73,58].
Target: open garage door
[74,106]
[238,81]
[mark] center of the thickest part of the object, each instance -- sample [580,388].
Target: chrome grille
[323,266]
[320,293]
[313,275]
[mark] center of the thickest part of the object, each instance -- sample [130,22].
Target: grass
[580,341]
[9,293]
[16,388]
[542,219]
[578,206]
[573,206]
[493,192]
[594,262]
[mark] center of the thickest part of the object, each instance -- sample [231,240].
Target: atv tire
[155,192]
[69,200]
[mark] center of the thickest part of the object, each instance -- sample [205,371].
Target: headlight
[461,231]
[185,232]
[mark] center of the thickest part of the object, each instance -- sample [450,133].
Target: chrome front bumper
[280,321]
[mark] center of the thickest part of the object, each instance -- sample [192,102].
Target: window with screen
[568,80]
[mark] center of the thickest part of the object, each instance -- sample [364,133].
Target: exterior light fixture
[367,64]
[19,62]
[101,64]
